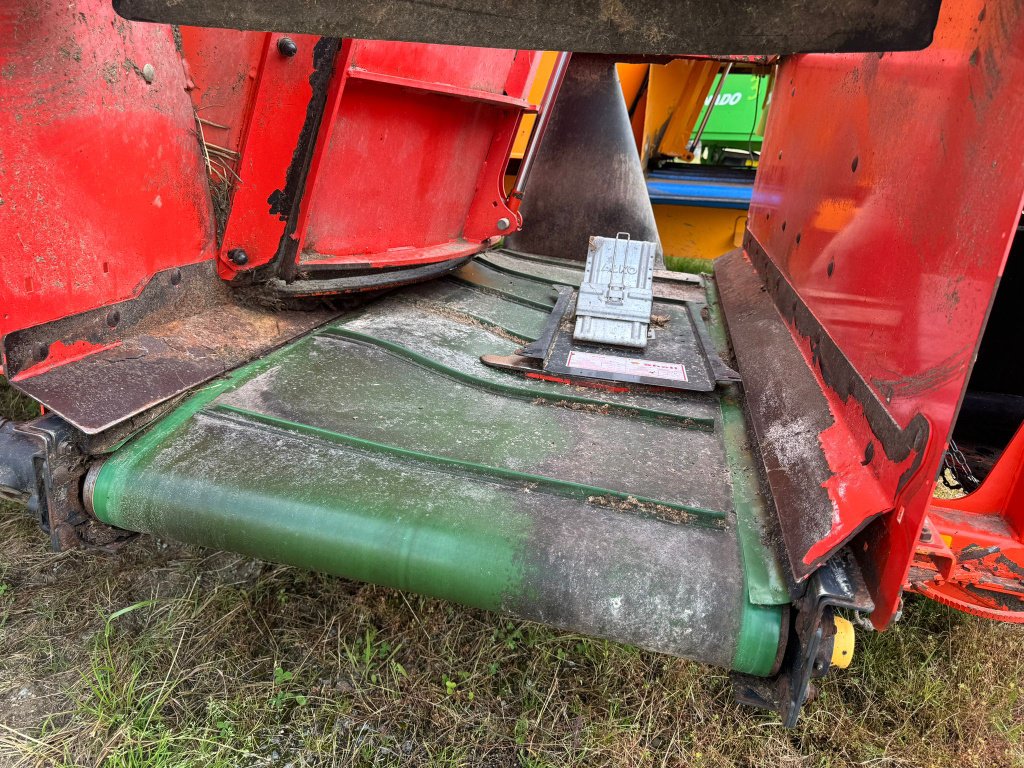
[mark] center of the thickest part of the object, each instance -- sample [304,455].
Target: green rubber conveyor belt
[379,448]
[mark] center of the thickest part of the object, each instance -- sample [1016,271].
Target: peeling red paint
[577,383]
[899,254]
[61,354]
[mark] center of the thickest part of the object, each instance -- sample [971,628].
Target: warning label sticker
[653,369]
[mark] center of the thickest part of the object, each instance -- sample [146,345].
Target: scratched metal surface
[885,202]
[103,181]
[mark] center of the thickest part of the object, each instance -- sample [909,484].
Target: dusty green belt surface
[379,448]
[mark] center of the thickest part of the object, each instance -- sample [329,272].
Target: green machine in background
[732,135]
[701,208]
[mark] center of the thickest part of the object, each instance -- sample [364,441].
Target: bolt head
[238,257]
[287,47]
[148,73]
[503,224]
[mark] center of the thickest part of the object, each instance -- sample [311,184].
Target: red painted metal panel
[887,194]
[101,182]
[455,91]
[222,66]
[483,69]
[408,159]
[268,145]
[434,154]
[437,152]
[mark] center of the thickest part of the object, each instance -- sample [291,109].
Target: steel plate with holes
[121,360]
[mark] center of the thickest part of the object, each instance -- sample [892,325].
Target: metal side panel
[881,220]
[788,414]
[103,182]
[380,448]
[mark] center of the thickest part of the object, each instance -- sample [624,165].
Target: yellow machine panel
[692,236]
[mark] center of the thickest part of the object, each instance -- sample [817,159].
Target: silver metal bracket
[616,295]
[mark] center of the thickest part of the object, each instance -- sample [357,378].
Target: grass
[14,405]
[166,655]
[689,264]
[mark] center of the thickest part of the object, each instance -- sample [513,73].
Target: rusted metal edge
[192,286]
[786,411]
[839,373]
[288,202]
[376,280]
[101,368]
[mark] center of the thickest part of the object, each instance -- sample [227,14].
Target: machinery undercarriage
[276,296]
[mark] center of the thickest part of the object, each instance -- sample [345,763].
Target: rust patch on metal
[840,375]
[185,327]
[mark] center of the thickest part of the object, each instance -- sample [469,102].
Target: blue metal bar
[695,192]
